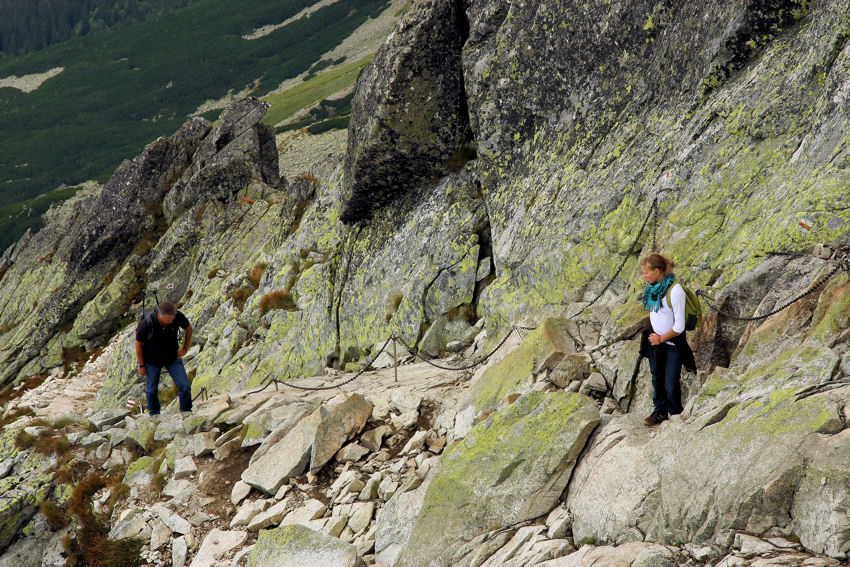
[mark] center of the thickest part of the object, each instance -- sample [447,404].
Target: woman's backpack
[693,308]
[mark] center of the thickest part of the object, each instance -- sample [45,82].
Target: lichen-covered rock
[237,151]
[510,468]
[296,546]
[543,349]
[409,116]
[734,468]
[23,490]
[822,499]
[64,266]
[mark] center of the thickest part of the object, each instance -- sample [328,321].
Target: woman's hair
[657,261]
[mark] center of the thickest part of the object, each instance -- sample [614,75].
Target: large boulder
[237,151]
[510,468]
[408,116]
[297,546]
[287,458]
[342,423]
[736,465]
[543,349]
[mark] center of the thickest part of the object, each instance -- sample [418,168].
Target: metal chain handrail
[459,368]
[365,369]
[842,263]
[652,210]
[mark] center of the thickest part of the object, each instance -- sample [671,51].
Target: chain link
[652,212]
[806,293]
[454,369]
[322,388]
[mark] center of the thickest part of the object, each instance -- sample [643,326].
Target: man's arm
[187,342]
[140,356]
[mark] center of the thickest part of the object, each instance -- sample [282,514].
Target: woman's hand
[143,370]
[654,339]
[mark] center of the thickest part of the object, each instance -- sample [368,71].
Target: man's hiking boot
[654,418]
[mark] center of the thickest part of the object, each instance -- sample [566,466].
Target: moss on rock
[511,467]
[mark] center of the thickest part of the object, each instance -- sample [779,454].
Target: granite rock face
[734,115]
[409,115]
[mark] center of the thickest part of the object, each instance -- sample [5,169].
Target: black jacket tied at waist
[680,341]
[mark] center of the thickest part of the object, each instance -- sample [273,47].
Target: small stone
[370,490]
[415,443]
[160,534]
[270,517]
[248,511]
[436,445]
[228,450]
[594,383]
[240,492]
[282,491]
[89,441]
[203,443]
[405,420]
[361,516]
[178,489]
[6,467]
[356,486]
[374,438]
[216,545]
[103,450]
[351,453]
[608,406]
[184,468]
[179,551]
[335,525]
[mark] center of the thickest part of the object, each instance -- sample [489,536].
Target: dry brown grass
[392,305]
[241,295]
[92,545]
[55,516]
[277,300]
[257,274]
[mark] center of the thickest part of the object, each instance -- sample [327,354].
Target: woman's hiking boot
[655,418]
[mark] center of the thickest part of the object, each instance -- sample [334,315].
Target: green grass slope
[123,88]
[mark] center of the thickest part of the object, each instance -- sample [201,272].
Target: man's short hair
[167,308]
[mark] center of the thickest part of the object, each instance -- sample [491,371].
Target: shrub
[24,440]
[277,300]
[52,444]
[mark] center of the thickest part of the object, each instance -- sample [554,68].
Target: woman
[664,340]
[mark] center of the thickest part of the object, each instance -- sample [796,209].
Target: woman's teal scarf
[654,292]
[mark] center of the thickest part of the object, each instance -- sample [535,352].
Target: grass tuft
[277,300]
[92,545]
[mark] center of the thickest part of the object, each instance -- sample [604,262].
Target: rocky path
[284,476]
[73,395]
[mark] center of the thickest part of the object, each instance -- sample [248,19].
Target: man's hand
[143,370]
[182,352]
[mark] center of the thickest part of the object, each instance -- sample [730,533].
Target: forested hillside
[121,88]
[29,26]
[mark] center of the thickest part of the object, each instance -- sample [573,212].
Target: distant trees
[29,26]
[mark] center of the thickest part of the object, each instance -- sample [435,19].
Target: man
[156,348]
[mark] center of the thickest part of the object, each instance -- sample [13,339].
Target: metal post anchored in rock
[395,358]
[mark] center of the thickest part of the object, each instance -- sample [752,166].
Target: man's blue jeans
[665,363]
[178,373]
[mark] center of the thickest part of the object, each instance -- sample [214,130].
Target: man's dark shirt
[159,344]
